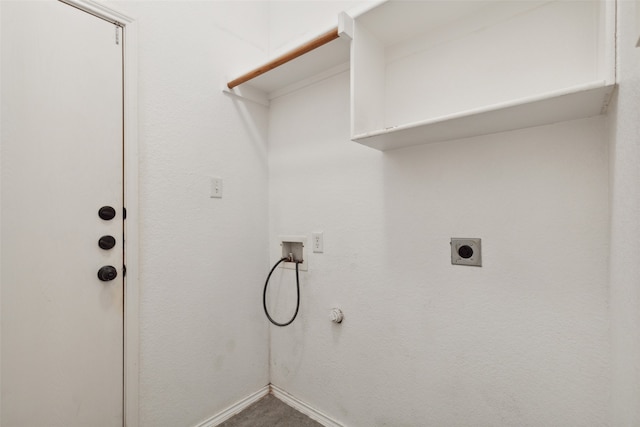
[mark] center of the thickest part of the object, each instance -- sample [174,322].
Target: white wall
[290,22]
[625,228]
[521,341]
[204,341]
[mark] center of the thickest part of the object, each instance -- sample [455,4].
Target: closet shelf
[434,70]
[574,103]
[289,56]
[325,52]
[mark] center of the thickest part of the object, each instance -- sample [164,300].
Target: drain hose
[264,294]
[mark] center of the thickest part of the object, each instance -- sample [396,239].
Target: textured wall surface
[524,340]
[204,341]
[521,341]
[625,227]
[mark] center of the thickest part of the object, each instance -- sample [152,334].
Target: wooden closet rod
[299,51]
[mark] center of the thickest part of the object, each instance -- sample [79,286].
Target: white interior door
[61,161]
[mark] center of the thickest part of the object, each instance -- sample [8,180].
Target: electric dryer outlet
[466,251]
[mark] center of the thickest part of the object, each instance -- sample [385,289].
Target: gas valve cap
[336,315]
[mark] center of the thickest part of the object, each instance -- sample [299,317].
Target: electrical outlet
[216,188]
[317,242]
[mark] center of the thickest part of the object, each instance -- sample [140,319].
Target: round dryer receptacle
[465,251]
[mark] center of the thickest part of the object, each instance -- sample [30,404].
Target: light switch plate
[216,187]
[466,251]
[317,242]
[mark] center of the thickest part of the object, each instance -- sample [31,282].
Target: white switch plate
[216,187]
[317,242]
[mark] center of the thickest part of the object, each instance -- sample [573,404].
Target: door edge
[131,225]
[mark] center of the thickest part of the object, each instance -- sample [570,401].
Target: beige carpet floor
[270,412]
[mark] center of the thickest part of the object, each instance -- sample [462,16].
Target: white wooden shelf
[575,103]
[324,58]
[434,71]
[326,53]
[428,71]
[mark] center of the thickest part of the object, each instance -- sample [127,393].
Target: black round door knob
[107,273]
[107,242]
[107,213]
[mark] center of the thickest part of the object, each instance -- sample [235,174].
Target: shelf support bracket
[345,26]
[248,93]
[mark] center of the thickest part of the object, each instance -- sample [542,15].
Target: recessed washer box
[466,251]
[296,245]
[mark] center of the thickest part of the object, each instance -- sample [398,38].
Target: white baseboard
[300,406]
[235,408]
